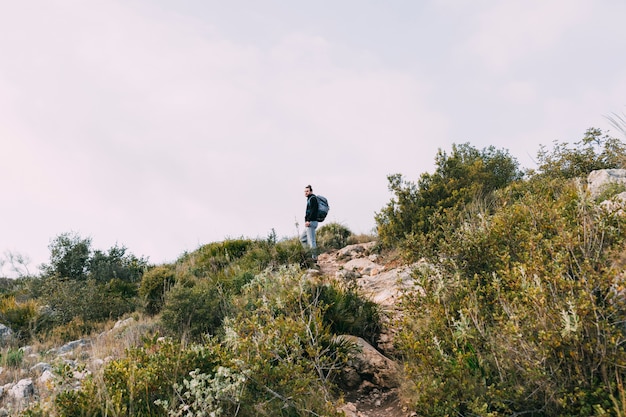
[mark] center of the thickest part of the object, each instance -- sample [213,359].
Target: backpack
[322,208]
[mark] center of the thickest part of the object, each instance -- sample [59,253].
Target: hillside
[46,371]
[487,291]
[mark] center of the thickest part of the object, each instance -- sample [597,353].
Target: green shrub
[130,386]
[280,332]
[594,151]
[88,300]
[333,236]
[13,358]
[155,283]
[418,211]
[19,316]
[347,312]
[518,312]
[194,310]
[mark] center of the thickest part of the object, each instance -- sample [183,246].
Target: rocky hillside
[371,383]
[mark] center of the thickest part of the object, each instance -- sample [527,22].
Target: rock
[349,410]
[6,333]
[40,367]
[70,346]
[372,366]
[598,180]
[363,265]
[124,323]
[28,350]
[46,376]
[23,390]
[385,287]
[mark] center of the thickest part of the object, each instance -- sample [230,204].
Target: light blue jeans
[307,238]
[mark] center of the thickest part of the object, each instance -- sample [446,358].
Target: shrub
[130,386]
[347,312]
[280,332]
[194,310]
[88,300]
[333,236]
[518,312]
[155,283]
[417,212]
[19,316]
[594,151]
[13,358]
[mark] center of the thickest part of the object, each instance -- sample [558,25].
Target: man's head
[308,190]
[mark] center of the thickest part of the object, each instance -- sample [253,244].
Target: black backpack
[322,208]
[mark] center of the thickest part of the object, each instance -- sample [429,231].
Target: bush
[519,311]
[347,312]
[417,212]
[594,151]
[155,283]
[280,332]
[194,310]
[333,236]
[130,386]
[88,300]
[20,317]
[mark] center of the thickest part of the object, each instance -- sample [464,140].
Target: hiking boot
[312,263]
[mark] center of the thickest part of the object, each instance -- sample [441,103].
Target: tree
[116,263]
[69,256]
[460,177]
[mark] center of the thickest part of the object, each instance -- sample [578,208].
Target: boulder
[598,180]
[6,333]
[23,390]
[370,366]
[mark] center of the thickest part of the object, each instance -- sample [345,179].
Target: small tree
[69,256]
[460,177]
[116,264]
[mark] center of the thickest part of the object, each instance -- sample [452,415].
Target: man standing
[310,222]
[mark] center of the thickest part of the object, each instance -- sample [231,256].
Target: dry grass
[107,342]
[361,238]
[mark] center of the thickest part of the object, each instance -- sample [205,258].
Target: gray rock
[5,333]
[598,180]
[24,389]
[40,367]
[372,366]
[70,346]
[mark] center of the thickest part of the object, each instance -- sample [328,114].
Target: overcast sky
[163,125]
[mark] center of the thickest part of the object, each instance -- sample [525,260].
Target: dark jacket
[311,209]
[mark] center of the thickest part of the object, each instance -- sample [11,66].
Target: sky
[164,125]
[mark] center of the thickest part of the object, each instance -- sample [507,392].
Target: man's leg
[311,238]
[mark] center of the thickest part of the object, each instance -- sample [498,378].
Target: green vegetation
[519,308]
[417,212]
[522,308]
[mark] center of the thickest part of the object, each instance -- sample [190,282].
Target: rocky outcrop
[599,180]
[6,334]
[356,262]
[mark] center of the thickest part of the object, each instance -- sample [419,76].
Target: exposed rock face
[355,262]
[5,333]
[597,181]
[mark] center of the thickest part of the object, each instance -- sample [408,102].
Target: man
[310,222]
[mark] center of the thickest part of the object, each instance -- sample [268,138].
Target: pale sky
[164,125]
